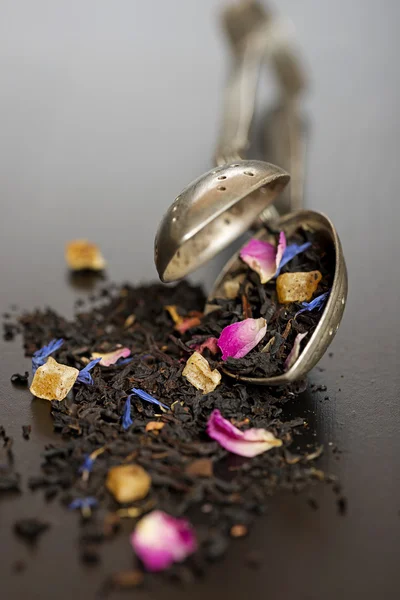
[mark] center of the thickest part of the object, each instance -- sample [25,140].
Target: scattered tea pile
[151,429]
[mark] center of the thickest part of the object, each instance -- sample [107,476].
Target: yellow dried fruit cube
[198,372]
[53,381]
[82,254]
[297,287]
[128,483]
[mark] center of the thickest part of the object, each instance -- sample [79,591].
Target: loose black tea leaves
[153,431]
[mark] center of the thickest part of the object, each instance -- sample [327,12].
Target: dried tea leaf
[128,483]
[198,372]
[203,467]
[127,579]
[297,287]
[53,381]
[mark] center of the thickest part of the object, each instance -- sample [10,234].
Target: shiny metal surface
[332,315]
[212,212]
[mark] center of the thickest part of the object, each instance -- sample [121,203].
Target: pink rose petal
[188,323]
[160,540]
[295,351]
[281,249]
[110,358]
[211,343]
[244,443]
[238,339]
[263,257]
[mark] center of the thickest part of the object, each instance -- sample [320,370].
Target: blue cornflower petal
[84,375]
[87,502]
[87,464]
[124,361]
[126,418]
[145,396]
[39,357]
[290,252]
[317,303]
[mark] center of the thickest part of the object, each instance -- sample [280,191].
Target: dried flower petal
[297,287]
[250,442]
[126,418]
[188,323]
[145,396]
[290,252]
[84,375]
[173,313]
[53,381]
[317,304]
[110,358]
[159,540]
[263,257]
[39,357]
[198,372]
[82,503]
[81,254]
[238,339]
[128,483]
[87,464]
[295,351]
[129,321]
[210,343]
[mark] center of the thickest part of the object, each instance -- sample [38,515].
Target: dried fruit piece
[297,287]
[198,372]
[53,381]
[128,483]
[82,254]
[154,426]
[238,531]
[232,286]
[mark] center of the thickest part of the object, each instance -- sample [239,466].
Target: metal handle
[239,105]
[255,36]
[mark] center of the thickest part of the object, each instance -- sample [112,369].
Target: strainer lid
[212,212]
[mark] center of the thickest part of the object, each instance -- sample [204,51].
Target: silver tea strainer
[225,202]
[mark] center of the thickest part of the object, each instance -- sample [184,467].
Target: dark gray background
[107,110]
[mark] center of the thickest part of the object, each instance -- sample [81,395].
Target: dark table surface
[107,111]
